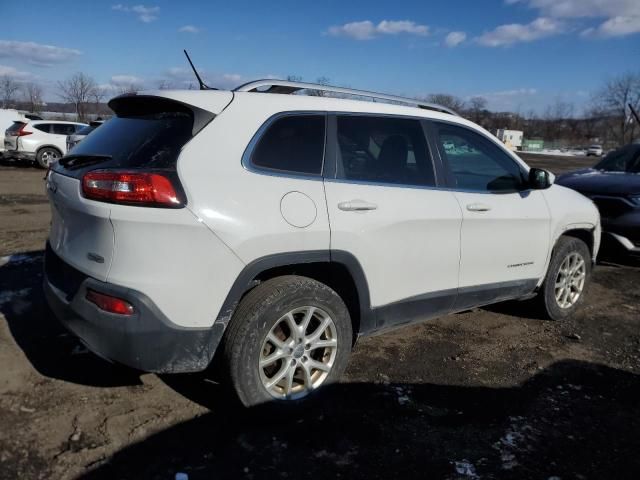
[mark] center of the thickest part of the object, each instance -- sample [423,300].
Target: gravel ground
[488,393]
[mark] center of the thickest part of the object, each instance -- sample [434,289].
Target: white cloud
[508,93]
[367,30]
[189,29]
[37,53]
[181,77]
[453,39]
[622,17]
[511,100]
[14,73]
[145,14]
[516,32]
[583,8]
[615,27]
[127,80]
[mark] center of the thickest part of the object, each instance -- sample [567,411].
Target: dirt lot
[490,393]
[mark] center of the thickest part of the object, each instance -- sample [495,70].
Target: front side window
[476,163]
[292,144]
[383,150]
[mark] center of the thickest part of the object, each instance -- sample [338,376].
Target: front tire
[289,336]
[46,156]
[569,272]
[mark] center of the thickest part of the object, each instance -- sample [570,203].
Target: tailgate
[81,232]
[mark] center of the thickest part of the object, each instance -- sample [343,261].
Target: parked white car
[7,117]
[279,228]
[39,141]
[595,150]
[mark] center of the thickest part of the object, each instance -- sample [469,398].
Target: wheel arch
[339,270]
[581,233]
[54,147]
[584,232]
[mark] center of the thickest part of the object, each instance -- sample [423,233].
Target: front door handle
[478,207]
[356,206]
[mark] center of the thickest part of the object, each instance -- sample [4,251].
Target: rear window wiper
[74,161]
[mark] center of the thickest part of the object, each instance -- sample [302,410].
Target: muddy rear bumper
[146,340]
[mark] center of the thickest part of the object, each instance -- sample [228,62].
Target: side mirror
[540,179]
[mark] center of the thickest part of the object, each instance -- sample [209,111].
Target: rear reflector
[151,189]
[109,304]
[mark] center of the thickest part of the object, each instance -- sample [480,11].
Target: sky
[520,55]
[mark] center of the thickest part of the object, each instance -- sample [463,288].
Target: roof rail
[287,87]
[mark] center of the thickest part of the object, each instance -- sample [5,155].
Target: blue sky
[519,54]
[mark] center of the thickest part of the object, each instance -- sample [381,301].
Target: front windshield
[625,159]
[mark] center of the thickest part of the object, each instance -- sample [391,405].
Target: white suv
[39,141]
[277,228]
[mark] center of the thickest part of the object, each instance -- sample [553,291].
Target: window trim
[438,172]
[450,180]
[247,162]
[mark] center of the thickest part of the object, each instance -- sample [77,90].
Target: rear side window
[476,163]
[383,150]
[43,127]
[15,128]
[294,144]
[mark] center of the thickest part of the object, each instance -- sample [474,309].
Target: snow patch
[403,395]
[466,469]
[19,258]
[516,439]
[15,297]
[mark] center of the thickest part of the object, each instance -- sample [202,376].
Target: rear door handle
[356,206]
[478,207]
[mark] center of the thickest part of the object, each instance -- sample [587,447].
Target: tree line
[606,119]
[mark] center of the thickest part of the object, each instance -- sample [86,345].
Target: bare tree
[450,101]
[478,109]
[613,100]
[555,118]
[131,88]
[320,81]
[81,90]
[33,96]
[8,89]
[166,85]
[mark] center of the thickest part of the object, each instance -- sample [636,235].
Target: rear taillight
[21,132]
[144,189]
[109,304]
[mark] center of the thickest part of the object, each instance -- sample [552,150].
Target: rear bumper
[19,155]
[146,340]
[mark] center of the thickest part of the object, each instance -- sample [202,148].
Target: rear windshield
[150,140]
[625,159]
[15,128]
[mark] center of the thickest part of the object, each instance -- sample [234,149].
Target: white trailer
[511,138]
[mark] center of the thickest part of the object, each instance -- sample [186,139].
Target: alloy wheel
[298,353]
[570,280]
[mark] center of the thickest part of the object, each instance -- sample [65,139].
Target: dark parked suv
[614,186]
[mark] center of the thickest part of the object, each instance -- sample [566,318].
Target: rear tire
[568,275]
[46,156]
[269,359]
